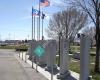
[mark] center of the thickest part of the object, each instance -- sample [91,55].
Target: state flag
[35,12]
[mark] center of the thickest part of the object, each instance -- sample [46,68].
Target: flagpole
[37,29]
[37,40]
[38,33]
[42,25]
[39,19]
[32,37]
[34,19]
[34,27]
[42,29]
[32,24]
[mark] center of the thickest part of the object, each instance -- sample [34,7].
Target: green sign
[39,51]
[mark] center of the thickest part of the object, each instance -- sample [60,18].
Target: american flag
[45,3]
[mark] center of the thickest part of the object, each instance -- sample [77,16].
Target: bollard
[32,62]
[19,54]
[84,57]
[22,55]
[37,65]
[25,56]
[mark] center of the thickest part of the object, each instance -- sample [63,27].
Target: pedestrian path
[12,68]
[32,73]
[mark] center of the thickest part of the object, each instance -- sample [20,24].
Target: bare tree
[67,22]
[90,31]
[92,8]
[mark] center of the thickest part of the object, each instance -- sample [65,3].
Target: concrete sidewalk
[31,73]
[13,68]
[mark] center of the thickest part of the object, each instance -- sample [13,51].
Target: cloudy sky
[15,17]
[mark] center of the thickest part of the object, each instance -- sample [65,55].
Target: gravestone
[51,55]
[84,57]
[64,59]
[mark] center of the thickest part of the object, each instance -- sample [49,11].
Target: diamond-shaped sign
[39,51]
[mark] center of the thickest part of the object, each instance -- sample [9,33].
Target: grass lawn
[77,49]
[14,47]
[74,65]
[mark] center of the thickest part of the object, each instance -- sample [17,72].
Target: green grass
[77,49]
[14,47]
[75,66]
[93,49]
[7,47]
[92,59]
[22,47]
[96,76]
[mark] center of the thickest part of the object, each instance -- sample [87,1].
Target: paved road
[13,69]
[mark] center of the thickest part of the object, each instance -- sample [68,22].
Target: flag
[35,12]
[45,3]
[43,15]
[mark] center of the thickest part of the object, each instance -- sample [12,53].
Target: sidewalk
[46,73]
[13,68]
[32,74]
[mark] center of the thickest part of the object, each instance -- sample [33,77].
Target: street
[12,69]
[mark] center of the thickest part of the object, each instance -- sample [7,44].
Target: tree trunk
[97,44]
[97,57]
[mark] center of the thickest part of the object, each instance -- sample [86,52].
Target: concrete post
[84,57]
[64,59]
[51,55]
[25,57]
[22,55]
[19,53]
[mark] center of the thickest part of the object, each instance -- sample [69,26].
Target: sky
[15,18]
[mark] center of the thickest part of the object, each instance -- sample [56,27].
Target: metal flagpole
[38,34]
[37,40]
[39,19]
[32,37]
[42,25]
[37,29]
[34,27]
[32,23]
